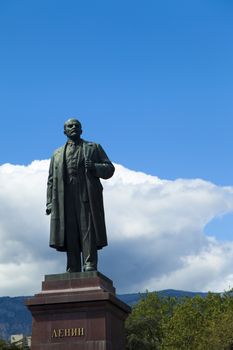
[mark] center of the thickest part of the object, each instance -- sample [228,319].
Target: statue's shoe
[89,268]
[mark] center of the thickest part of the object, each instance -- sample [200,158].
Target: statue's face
[72,128]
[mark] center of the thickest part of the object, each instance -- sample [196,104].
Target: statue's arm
[49,188]
[103,167]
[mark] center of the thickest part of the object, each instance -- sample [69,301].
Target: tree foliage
[6,346]
[181,324]
[145,324]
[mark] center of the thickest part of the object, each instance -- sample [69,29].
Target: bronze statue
[74,199]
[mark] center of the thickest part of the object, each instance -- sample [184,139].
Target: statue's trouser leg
[87,237]
[72,230]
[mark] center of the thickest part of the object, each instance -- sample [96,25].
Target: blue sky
[152,81]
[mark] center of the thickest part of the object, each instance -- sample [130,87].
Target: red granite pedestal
[77,311]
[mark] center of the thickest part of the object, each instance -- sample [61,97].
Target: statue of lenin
[75,201]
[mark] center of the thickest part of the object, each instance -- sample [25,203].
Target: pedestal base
[77,311]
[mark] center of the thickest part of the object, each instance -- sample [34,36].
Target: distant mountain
[132,299]
[16,319]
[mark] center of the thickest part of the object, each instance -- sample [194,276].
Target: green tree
[145,325]
[201,324]
[219,322]
[184,329]
[181,324]
[6,346]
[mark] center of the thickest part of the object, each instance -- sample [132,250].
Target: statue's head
[73,128]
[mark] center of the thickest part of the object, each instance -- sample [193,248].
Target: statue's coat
[55,193]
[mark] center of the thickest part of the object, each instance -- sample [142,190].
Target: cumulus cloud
[155,231]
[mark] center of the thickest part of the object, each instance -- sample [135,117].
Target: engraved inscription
[67,332]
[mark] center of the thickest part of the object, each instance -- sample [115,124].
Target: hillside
[14,317]
[133,298]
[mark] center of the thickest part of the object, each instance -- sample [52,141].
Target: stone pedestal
[77,311]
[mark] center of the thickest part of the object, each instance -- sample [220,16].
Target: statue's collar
[75,143]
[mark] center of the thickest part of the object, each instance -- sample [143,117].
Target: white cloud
[155,230]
